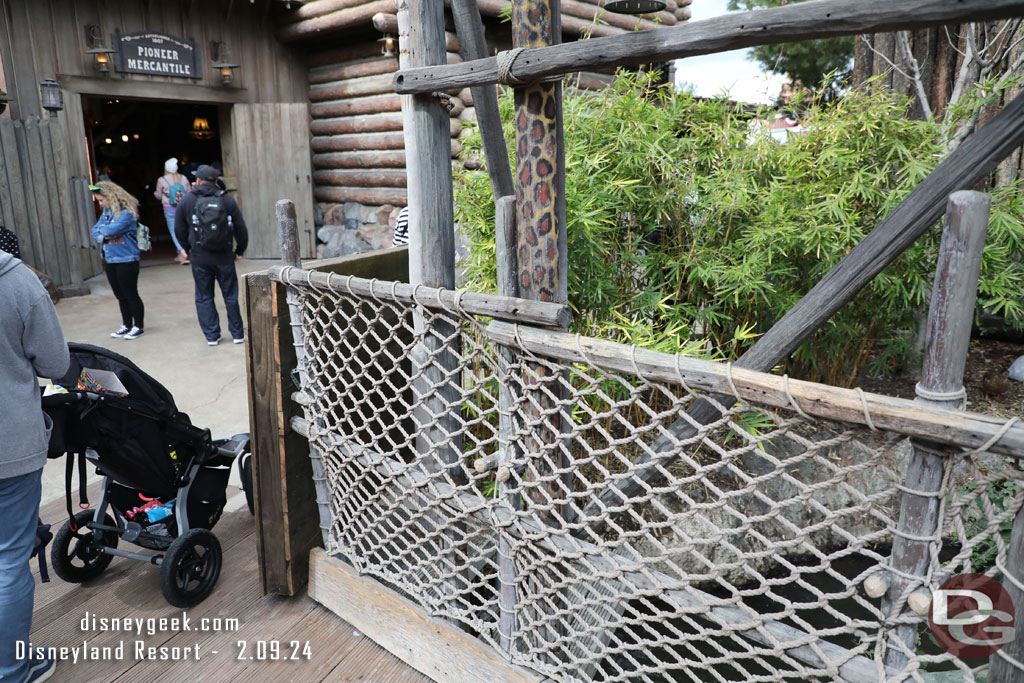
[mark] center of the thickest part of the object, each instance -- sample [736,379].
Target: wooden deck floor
[131,588]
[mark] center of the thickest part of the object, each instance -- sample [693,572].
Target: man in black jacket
[212,264]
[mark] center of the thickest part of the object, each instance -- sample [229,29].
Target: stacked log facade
[358,155]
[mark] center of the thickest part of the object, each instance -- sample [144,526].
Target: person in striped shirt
[401,229]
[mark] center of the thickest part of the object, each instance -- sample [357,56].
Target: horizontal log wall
[356,127]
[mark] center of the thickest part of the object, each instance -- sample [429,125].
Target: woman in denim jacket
[117,230]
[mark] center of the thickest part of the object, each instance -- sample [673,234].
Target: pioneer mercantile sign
[157,54]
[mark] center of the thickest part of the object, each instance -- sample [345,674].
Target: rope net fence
[579,519]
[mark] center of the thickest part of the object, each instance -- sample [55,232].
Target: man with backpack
[171,189]
[210,227]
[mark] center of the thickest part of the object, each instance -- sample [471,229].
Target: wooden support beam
[789,23]
[429,645]
[386,22]
[970,163]
[1002,667]
[355,69]
[470,29]
[514,309]
[938,424]
[950,316]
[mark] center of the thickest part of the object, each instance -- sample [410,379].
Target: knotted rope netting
[554,496]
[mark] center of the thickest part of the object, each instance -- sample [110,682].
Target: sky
[726,71]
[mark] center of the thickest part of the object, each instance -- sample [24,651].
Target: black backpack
[212,228]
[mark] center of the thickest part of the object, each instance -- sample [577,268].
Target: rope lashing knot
[445,98]
[958,395]
[506,59]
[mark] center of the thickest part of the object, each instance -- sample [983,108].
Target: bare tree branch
[903,43]
[887,60]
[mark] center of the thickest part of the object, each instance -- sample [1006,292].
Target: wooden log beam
[510,308]
[1002,667]
[788,23]
[378,196]
[570,25]
[342,125]
[340,90]
[474,46]
[386,22]
[585,10]
[965,167]
[357,105]
[334,21]
[361,178]
[369,159]
[318,8]
[373,66]
[347,143]
[343,54]
[936,423]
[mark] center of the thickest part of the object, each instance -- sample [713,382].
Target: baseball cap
[95,188]
[205,172]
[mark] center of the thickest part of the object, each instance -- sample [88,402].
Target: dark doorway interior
[129,140]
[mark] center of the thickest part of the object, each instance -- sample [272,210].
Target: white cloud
[726,72]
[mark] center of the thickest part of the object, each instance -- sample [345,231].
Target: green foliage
[823,64]
[687,229]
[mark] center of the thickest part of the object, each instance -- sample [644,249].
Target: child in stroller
[164,480]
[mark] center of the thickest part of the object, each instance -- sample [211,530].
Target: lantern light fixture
[388,45]
[222,62]
[51,96]
[102,58]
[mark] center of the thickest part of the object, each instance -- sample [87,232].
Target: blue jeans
[19,512]
[227,278]
[169,217]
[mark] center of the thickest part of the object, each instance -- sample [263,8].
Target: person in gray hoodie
[31,345]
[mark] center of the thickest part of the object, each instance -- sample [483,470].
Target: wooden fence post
[505,230]
[1003,666]
[288,235]
[949,330]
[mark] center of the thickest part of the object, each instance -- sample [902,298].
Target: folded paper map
[100,381]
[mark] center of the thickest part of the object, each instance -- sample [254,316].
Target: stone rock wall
[352,228]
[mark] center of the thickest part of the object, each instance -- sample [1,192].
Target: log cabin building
[293,98]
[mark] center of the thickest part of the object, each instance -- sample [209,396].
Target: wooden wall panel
[272,147]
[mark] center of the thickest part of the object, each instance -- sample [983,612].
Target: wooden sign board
[156,54]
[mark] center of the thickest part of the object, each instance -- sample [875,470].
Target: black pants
[124,281]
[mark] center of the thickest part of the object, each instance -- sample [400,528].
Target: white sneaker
[213,342]
[238,341]
[135,333]
[123,330]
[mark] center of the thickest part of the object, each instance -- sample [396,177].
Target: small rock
[382,214]
[334,214]
[352,223]
[1016,371]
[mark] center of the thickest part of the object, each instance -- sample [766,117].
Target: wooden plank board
[429,645]
[789,23]
[263,371]
[43,186]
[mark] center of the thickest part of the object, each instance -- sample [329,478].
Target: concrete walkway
[208,383]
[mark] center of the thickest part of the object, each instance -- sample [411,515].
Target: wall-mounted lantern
[51,96]
[101,55]
[388,44]
[223,63]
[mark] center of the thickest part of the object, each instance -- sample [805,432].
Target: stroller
[164,480]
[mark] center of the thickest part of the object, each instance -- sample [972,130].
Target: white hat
[171,165]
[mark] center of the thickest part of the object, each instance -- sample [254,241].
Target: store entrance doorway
[129,140]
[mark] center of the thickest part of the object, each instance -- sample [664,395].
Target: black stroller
[164,480]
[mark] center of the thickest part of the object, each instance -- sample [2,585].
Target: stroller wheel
[245,474]
[190,568]
[77,555]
